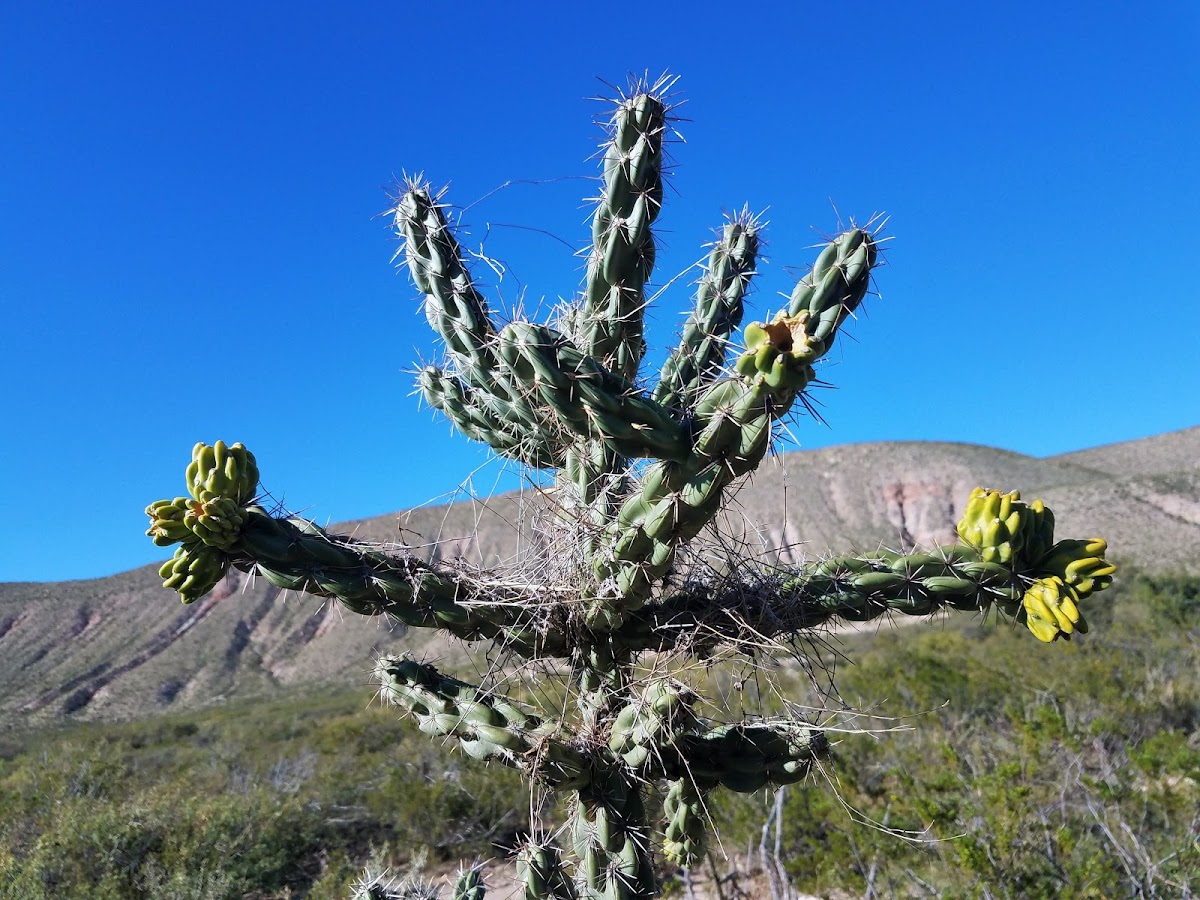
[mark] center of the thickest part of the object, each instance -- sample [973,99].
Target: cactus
[640,474]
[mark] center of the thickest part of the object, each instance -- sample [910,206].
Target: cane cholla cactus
[640,474]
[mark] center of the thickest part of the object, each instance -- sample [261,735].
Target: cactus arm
[296,554]
[469,885]
[750,756]
[588,399]
[610,838]
[455,309]
[733,421]
[658,735]
[540,868]
[716,314]
[685,834]
[609,325]
[486,726]
[836,285]
[1042,587]
[475,414]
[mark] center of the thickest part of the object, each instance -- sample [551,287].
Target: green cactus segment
[718,310]
[732,422]
[455,309]
[194,570]
[593,473]
[487,727]
[685,837]
[610,839]
[591,484]
[459,314]
[588,399]
[469,885]
[748,757]
[659,736]
[295,554]
[475,415]
[540,868]
[836,285]
[609,326]
[652,724]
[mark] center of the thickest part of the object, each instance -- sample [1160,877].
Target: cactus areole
[640,475]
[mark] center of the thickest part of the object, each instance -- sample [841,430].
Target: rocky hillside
[122,646]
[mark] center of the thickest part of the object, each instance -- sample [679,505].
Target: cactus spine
[568,399]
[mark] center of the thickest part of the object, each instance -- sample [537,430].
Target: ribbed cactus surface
[641,473]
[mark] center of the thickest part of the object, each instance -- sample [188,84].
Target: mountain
[122,646]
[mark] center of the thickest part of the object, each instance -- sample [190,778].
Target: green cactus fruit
[685,837]
[779,353]
[717,311]
[222,471]
[1004,528]
[609,324]
[167,525]
[194,570]
[217,521]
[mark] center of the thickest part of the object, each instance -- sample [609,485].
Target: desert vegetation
[993,771]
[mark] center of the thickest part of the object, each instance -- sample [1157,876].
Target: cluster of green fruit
[221,481]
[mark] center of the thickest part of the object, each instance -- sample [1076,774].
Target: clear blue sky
[190,247]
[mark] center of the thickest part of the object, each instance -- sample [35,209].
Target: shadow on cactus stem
[630,590]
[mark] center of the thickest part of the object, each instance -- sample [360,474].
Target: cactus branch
[717,312]
[609,325]
[611,842]
[296,554]
[487,727]
[733,421]
[454,308]
[540,868]
[586,398]
[488,419]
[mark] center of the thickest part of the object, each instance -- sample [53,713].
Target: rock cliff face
[122,646]
[922,512]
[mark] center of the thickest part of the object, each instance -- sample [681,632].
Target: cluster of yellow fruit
[1006,530]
